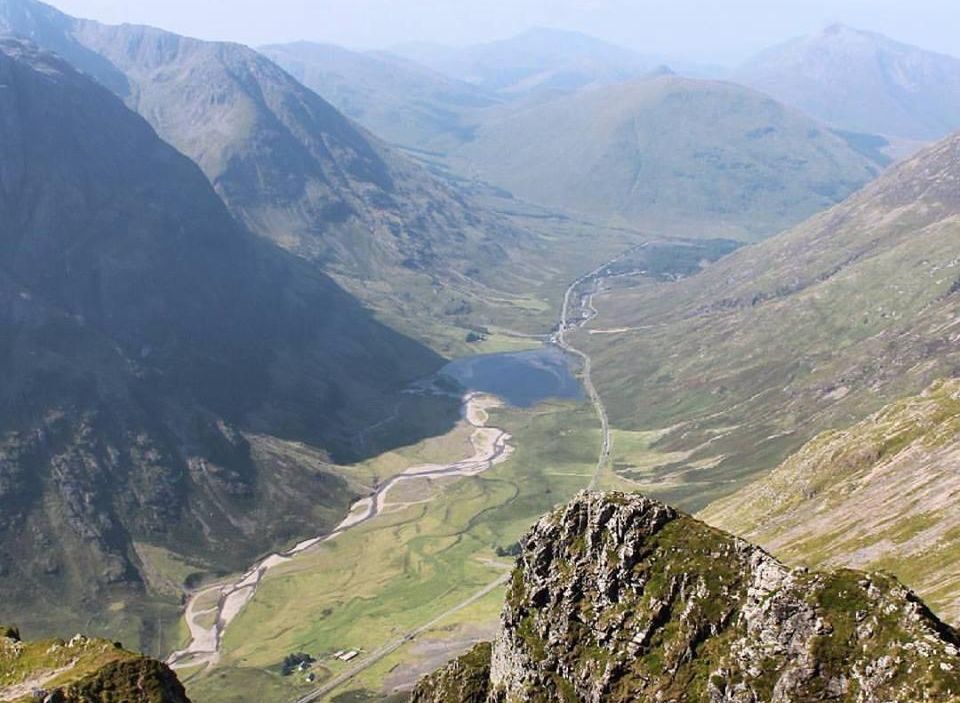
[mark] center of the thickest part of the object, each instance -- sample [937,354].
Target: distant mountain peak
[861,81]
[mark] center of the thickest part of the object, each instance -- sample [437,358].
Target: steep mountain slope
[862,81]
[392,97]
[292,168]
[811,330]
[880,495]
[149,347]
[537,61]
[619,598]
[683,156]
[81,670]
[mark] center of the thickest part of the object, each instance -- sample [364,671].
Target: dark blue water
[522,379]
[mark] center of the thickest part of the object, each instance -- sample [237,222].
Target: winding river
[210,610]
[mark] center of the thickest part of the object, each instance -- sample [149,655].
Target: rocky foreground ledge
[81,670]
[620,598]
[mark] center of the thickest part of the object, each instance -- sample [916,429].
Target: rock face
[83,670]
[619,598]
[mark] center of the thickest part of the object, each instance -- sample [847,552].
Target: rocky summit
[620,598]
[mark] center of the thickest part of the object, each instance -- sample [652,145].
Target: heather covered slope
[670,154]
[862,81]
[811,330]
[150,347]
[619,598]
[881,494]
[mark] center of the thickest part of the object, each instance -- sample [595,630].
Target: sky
[721,31]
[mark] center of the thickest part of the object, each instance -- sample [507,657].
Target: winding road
[210,610]
[560,339]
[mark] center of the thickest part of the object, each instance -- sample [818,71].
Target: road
[560,339]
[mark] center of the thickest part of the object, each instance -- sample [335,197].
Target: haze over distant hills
[538,60]
[862,81]
[396,99]
[678,155]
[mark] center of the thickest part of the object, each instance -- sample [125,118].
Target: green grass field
[400,571]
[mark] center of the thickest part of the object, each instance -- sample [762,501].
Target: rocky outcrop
[465,680]
[82,670]
[620,598]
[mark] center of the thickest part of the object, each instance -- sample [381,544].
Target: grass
[387,577]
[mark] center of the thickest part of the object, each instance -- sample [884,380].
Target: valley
[533,368]
[540,393]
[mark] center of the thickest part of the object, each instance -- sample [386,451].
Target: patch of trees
[294,661]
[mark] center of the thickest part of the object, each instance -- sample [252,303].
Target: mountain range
[396,99]
[296,171]
[538,61]
[670,154]
[862,81]
[150,347]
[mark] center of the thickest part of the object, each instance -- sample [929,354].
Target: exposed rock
[619,598]
[85,670]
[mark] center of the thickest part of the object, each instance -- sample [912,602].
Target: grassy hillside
[879,495]
[674,155]
[813,329]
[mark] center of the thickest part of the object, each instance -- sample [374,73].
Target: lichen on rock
[620,598]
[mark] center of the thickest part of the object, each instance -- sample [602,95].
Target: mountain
[681,156]
[737,367]
[879,495]
[619,598]
[159,365]
[81,670]
[863,82]
[536,61]
[394,98]
[293,169]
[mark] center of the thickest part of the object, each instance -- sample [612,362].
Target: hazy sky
[722,30]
